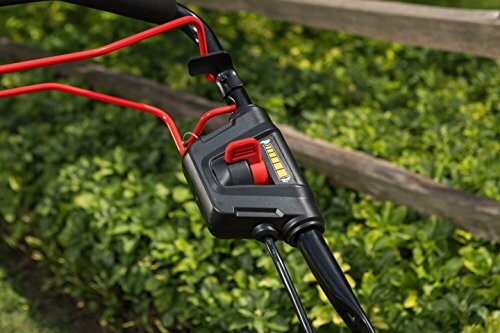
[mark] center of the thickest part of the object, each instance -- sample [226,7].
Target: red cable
[75,56]
[205,118]
[125,103]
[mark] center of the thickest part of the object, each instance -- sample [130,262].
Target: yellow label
[279,168]
[282,173]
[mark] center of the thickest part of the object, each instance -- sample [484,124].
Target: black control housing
[233,211]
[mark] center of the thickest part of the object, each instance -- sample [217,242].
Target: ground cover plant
[96,193]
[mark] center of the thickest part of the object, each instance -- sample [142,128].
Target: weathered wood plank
[350,169]
[384,180]
[474,32]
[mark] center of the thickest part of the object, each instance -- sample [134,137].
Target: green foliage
[98,195]
[492,325]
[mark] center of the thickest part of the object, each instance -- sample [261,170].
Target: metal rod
[287,281]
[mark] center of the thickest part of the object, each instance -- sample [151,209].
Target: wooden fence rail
[474,32]
[351,169]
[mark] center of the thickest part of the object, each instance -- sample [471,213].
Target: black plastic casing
[232,212]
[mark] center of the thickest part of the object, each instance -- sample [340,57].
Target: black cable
[333,282]
[287,281]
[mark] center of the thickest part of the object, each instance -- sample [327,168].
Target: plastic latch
[220,65]
[248,150]
[213,63]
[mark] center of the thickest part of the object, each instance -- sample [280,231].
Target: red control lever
[248,150]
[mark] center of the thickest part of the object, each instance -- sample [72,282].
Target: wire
[287,281]
[92,53]
[125,103]
[204,119]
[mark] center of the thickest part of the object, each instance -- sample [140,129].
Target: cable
[287,281]
[87,54]
[76,56]
[125,103]
[204,119]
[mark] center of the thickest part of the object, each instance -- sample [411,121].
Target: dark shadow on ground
[54,311]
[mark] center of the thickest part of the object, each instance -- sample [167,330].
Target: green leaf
[411,300]
[181,194]
[478,261]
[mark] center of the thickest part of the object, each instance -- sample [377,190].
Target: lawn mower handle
[304,231]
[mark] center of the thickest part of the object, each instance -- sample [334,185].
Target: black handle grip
[154,11]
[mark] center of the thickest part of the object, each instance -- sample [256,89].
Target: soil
[51,309]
